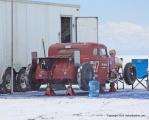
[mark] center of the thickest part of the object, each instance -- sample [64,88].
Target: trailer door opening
[66,29]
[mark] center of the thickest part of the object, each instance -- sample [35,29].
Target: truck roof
[66,49]
[77,45]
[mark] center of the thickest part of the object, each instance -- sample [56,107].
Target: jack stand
[50,91]
[70,91]
[112,87]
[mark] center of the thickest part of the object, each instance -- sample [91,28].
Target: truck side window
[103,52]
[95,51]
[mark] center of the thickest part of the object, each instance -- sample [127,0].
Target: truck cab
[91,53]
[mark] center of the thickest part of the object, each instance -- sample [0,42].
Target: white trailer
[35,22]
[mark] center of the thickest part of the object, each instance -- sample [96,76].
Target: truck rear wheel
[129,74]
[84,75]
[22,81]
[6,84]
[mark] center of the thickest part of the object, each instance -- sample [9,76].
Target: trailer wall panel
[33,22]
[5,34]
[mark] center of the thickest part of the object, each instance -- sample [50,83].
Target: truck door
[103,70]
[87,29]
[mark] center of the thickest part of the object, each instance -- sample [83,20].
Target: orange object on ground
[112,87]
[50,91]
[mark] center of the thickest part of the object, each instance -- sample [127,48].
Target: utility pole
[11,82]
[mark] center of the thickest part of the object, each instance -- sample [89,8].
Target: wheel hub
[23,81]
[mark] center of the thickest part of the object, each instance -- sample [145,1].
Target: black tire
[84,75]
[31,77]
[129,74]
[22,81]
[6,84]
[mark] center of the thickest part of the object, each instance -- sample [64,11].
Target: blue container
[93,88]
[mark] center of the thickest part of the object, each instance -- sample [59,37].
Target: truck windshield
[103,52]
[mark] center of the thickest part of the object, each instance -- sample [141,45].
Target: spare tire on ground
[129,74]
[84,75]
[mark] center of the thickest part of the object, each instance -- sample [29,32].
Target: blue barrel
[93,88]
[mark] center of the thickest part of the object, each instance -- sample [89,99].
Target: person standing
[115,65]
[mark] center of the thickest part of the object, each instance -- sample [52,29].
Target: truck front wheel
[84,75]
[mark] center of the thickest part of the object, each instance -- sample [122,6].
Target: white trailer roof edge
[44,3]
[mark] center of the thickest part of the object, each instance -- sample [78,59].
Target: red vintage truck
[72,63]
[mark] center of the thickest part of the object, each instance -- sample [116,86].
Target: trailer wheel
[31,78]
[129,74]
[84,75]
[6,84]
[22,81]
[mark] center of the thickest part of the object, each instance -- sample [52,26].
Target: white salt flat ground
[121,105]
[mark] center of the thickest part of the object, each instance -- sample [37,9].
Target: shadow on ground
[120,94]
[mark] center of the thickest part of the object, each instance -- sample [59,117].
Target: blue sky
[135,11]
[123,24]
